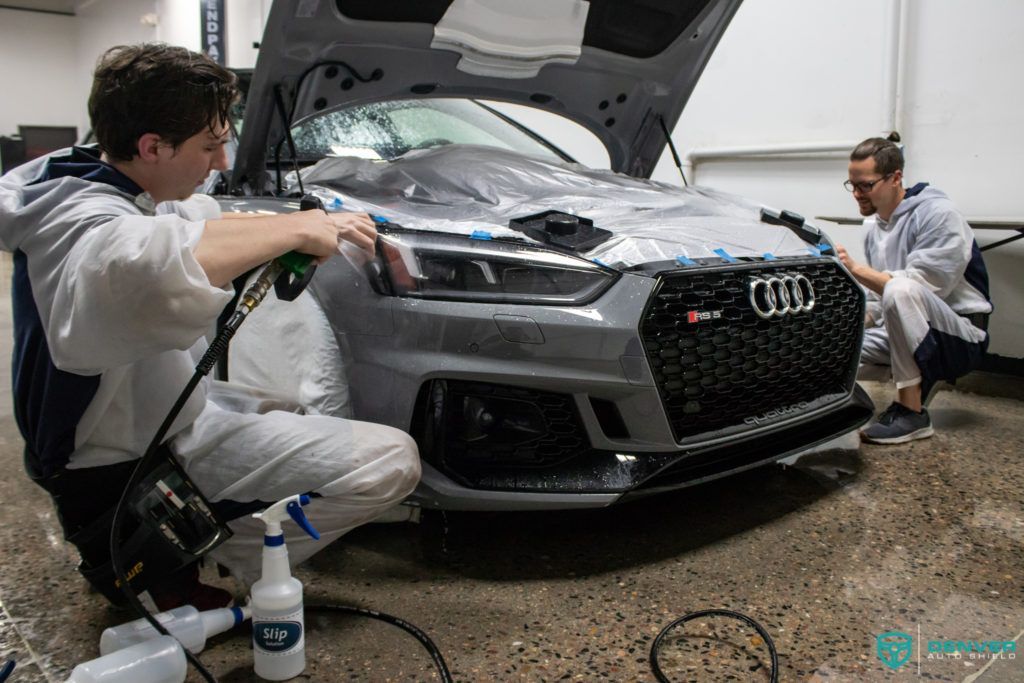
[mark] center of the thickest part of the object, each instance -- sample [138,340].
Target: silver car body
[691,341]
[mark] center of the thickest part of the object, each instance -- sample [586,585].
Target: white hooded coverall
[918,325]
[124,307]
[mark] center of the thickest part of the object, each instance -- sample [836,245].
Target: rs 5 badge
[701,316]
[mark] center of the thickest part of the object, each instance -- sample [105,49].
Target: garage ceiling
[57,6]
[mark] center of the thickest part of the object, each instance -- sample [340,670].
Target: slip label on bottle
[278,635]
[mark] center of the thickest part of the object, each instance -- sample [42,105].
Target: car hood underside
[623,69]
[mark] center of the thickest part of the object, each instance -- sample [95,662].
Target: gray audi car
[552,336]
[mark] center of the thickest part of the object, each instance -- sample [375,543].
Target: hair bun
[893,137]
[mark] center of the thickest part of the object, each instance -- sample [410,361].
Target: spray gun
[296,268]
[277,620]
[289,275]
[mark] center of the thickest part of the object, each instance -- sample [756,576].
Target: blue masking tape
[378,219]
[684,261]
[724,254]
[600,263]
[480,235]
[814,251]
[824,247]
[768,257]
[337,202]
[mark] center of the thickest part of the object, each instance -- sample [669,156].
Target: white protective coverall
[918,325]
[122,308]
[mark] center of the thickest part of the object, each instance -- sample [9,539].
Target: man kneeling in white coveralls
[119,272]
[926,284]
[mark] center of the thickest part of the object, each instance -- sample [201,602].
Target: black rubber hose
[416,632]
[209,359]
[656,668]
[121,512]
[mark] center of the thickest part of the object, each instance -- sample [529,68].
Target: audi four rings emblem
[777,296]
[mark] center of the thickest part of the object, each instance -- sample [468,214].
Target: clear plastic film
[465,188]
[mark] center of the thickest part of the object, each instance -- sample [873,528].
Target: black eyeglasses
[864,186]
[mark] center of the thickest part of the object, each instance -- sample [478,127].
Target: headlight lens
[434,265]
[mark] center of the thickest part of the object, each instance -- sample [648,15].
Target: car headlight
[432,265]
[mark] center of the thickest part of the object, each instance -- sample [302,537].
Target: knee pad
[899,290]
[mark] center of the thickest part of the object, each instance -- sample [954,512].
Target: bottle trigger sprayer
[278,635]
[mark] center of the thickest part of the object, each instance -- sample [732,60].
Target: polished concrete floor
[926,539]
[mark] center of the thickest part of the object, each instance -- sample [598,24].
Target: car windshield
[387,130]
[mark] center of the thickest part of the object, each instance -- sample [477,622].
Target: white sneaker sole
[922,433]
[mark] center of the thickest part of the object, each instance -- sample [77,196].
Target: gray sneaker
[898,424]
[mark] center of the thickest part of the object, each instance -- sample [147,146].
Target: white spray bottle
[278,628]
[190,626]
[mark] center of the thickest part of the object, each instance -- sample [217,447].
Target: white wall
[38,56]
[245,27]
[178,23]
[823,79]
[48,59]
[99,25]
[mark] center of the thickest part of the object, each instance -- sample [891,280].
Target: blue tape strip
[769,257]
[724,254]
[378,219]
[824,247]
[480,235]
[600,263]
[814,251]
[683,260]
[337,202]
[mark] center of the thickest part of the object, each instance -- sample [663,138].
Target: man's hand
[844,258]
[319,233]
[875,280]
[357,228]
[230,247]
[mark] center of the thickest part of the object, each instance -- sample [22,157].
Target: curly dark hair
[887,154]
[156,88]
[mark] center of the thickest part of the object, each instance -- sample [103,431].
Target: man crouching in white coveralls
[926,283]
[119,272]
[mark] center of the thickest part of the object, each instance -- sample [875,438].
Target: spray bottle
[277,623]
[157,660]
[190,626]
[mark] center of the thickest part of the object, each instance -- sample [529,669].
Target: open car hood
[623,69]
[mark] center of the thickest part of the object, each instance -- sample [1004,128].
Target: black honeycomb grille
[719,374]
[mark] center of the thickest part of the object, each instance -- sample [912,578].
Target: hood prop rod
[286,122]
[672,148]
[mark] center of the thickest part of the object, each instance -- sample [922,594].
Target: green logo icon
[894,648]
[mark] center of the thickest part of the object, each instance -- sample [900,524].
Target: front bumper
[601,478]
[605,390]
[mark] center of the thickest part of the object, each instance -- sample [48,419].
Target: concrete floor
[926,539]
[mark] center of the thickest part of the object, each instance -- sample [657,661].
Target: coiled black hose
[656,667]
